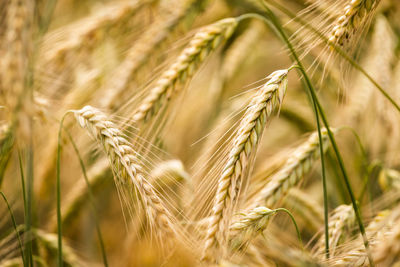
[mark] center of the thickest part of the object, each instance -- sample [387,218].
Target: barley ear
[265,102]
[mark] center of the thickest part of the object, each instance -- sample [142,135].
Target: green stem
[277,26]
[58,190]
[365,168]
[44,22]
[15,226]
[358,139]
[91,200]
[30,184]
[21,169]
[315,108]
[294,222]
[338,49]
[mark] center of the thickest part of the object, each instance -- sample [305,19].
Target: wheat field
[199,133]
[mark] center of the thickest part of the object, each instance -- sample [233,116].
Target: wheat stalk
[204,41]
[267,99]
[354,14]
[125,163]
[297,165]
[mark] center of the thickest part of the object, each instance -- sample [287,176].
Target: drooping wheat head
[354,15]
[250,130]
[142,50]
[124,163]
[205,40]
[248,225]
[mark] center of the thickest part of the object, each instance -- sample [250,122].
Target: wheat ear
[205,40]
[354,14]
[124,163]
[358,256]
[389,179]
[343,217]
[143,49]
[387,252]
[266,100]
[50,242]
[84,34]
[249,225]
[297,165]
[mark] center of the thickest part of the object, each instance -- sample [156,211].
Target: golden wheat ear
[378,230]
[387,252]
[354,15]
[125,164]
[152,42]
[248,225]
[205,40]
[267,100]
[341,222]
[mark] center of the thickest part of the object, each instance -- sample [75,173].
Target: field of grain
[199,133]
